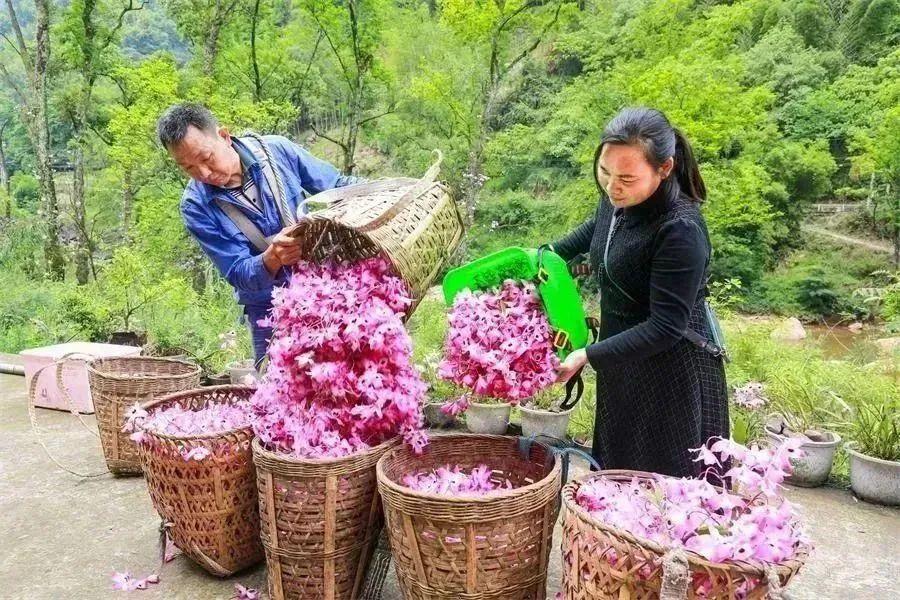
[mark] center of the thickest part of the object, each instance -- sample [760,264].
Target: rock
[855,327]
[888,345]
[816,436]
[789,330]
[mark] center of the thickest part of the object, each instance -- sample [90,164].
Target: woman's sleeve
[677,269]
[578,241]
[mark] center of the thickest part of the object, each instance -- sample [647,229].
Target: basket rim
[755,568]
[261,450]
[174,396]
[494,496]
[92,366]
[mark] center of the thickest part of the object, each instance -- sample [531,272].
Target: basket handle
[32,415]
[560,448]
[426,181]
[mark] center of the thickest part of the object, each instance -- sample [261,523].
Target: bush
[26,191]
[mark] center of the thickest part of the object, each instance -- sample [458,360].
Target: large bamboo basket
[209,506]
[120,382]
[601,561]
[320,520]
[415,223]
[492,546]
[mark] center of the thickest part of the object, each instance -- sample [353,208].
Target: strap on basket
[562,449]
[32,412]
[576,381]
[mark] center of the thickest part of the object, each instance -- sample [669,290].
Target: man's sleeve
[230,254]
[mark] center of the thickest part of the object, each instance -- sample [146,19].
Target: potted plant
[803,409]
[875,452]
[487,415]
[747,403]
[437,406]
[542,415]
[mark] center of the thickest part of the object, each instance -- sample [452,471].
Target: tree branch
[112,33]
[534,45]
[12,84]
[330,139]
[23,47]
[367,119]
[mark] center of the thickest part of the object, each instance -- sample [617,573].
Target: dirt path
[876,246]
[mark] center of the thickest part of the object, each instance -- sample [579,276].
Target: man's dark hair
[172,126]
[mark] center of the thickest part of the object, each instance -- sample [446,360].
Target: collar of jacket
[655,205]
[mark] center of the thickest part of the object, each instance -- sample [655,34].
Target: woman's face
[627,177]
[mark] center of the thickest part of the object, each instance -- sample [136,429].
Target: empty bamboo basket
[117,384]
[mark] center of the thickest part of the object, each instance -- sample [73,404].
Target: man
[243,196]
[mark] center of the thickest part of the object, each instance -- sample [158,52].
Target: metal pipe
[11,369]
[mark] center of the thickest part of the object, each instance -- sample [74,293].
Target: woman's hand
[570,365]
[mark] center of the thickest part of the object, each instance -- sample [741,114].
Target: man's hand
[284,251]
[570,366]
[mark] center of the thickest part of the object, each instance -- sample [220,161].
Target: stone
[789,330]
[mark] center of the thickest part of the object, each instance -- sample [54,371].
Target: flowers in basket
[340,377]
[453,480]
[721,526]
[499,345]
[176,420]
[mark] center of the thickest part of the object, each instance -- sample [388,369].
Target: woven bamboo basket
[493,546]
[320,520]
[601,561]
[209,506]
[415,223]
[120,382]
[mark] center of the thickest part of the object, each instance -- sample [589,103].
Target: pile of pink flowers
[176,420]
[696,515]
[499,343]
[340,377]
[454,481]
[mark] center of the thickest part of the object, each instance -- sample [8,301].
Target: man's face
[208,157]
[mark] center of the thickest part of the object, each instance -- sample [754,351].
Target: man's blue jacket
[236,258]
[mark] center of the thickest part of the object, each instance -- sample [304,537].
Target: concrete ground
[65,536]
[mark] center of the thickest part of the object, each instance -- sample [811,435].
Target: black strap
[562,449]
[704,343]
[576,382]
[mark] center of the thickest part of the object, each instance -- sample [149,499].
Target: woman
[658,393]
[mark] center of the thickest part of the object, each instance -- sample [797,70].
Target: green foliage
[25,191]
[875,429]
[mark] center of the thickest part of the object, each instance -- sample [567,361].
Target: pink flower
[340,376]
[454,481]
[244,593]
[456,407]
[696,515]
[133,416]
[125,582]
[195,453]
[499,343]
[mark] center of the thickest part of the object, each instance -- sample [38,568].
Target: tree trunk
[127,202]
[82,251]
[257,81]
[211,49]
[4,175]
[52,251]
